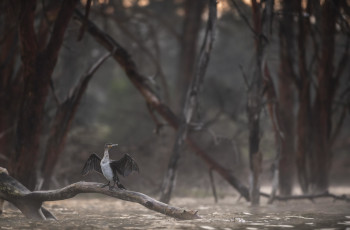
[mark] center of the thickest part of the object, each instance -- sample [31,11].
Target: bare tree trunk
[188,48]
[286,99]
[190,105]
[37,68]
[170,176]
[322,110]
[29,120]
[304,138]
[9,86]
[254,105]
[255,155]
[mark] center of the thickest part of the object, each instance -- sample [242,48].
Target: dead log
[30,203]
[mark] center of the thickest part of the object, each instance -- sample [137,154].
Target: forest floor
[100,212]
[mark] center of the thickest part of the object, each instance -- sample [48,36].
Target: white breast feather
[106,170]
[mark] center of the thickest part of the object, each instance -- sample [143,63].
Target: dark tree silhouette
[37,37]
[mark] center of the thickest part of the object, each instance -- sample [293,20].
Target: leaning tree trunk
[188,42]
[190,105]
[30,203]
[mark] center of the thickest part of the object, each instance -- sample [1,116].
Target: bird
[110,168]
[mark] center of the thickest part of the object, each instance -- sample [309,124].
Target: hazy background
[112,110]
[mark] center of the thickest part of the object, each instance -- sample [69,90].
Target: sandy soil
[99,212]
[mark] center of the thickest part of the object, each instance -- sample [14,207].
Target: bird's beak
[112,145]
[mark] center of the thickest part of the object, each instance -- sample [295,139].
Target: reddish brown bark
[37,68]
[322,110]
[27,144]
[8,104]
[304,111]
[286,76]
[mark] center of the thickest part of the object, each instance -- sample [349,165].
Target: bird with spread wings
[110,168]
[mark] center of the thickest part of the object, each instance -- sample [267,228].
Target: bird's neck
[106,154]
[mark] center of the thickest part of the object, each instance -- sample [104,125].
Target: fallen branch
[308,197]
[30,203]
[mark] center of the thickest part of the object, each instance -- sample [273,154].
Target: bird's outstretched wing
[93,163]
[125,165]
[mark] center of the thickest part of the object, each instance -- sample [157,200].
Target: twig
[245,19]
[6,131]
[213,185]
[54,93]
[338,126]
[86,17]
[245,78]
[159,125]
[147,52]
[167,25]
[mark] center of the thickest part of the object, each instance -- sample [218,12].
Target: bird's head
[110,145]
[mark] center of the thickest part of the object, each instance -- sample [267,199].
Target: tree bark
[286,99]
[31,105]
[37,69]
[30,203]
[254,105]
[322,110]
[304,124]
[188,48]
[9,85]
